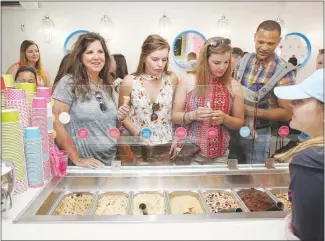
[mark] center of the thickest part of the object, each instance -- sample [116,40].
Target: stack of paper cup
[45,92]
[16,99]
[30,89]
[9,80]
[39,119]
[34,157]
[51,146]
[13,146]
[3,92]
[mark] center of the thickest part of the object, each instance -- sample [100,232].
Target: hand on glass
[142,141]
[173,149]
[122,112]
[89,163]
[145,142]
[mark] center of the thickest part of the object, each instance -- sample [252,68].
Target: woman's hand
[145,142]
[173,149]
[218,116]
[89,163]
[201,114]
[122,112]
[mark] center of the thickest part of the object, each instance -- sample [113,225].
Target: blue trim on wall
[187,31]
[308,46]
[69,37]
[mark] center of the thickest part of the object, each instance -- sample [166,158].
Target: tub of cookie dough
[73,204]
[111,203]
[185,202]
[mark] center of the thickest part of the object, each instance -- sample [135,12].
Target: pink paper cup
[43,92]
[15,94]
[39,103]
[61,163]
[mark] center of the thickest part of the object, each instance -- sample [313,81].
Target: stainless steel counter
[131,180]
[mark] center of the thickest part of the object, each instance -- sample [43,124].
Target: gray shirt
[87,114]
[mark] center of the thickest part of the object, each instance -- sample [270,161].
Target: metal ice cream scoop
[143,208]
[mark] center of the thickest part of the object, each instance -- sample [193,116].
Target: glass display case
[158,176]
[161,194]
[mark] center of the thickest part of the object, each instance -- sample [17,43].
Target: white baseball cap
[312,87]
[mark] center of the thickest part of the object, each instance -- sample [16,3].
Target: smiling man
[259,73]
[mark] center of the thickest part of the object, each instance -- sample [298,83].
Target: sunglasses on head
[216,43]
[99,98]
[155,107]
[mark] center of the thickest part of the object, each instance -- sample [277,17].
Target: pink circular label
[212,133]
[83,133]
[181,133]
[283,131]
[113,133]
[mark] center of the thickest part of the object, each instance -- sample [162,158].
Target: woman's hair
[237,52]
[202,71]
[151,44]
[313,142]
[25,68]
[191,56]
[78,71]
[121,66]
[23,60]
[62,71]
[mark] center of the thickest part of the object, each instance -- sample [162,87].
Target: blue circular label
[245,131]
[146,133]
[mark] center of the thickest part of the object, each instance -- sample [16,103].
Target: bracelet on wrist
[190,116]
[121,122]
[187,118]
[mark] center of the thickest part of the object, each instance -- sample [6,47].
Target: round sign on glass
[186,48]
[71,39]
[295,45]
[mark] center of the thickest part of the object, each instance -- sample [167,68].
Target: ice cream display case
[161,194]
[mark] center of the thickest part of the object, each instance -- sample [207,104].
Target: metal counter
[132,180]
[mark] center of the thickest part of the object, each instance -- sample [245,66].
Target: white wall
[134,21]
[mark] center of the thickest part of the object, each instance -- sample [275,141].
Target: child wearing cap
[306,190]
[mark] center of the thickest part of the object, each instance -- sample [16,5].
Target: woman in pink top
[211,103]
[30,56]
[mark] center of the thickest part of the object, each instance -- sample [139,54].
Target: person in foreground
[306,190]
[212,99]
[85,93]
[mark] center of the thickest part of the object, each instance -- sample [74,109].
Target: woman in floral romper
[150,90]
